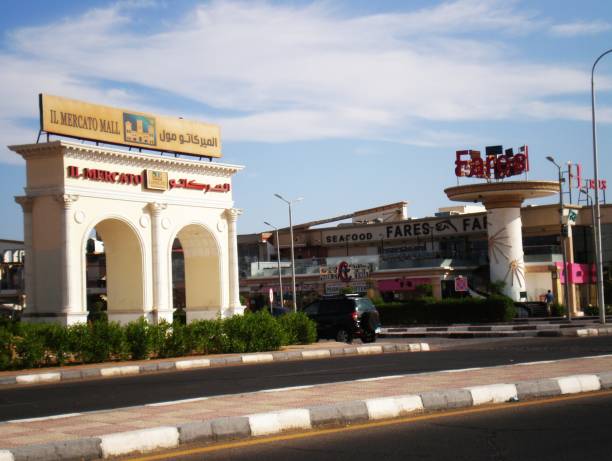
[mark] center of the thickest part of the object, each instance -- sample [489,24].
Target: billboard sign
[77,119]
[497,163]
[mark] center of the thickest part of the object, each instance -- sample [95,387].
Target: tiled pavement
[15,434]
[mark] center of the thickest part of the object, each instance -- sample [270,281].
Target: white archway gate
[138,204]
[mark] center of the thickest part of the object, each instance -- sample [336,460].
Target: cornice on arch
[117,156]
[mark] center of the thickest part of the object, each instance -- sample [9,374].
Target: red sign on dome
[497,162]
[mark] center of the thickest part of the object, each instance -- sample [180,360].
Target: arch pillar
[162,306]
[71,306]
[235,308]
[27,203]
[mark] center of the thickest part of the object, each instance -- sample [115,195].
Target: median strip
[189,364]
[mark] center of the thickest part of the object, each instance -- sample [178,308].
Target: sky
[347,104]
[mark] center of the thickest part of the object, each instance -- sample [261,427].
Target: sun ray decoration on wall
[516,267]
[498,245]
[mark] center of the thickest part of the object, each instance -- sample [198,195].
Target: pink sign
[402,284]
[578,273]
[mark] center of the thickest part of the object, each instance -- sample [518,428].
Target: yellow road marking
[360,426]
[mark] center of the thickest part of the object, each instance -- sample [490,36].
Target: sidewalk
[169,424]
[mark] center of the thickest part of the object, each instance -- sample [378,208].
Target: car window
[312,309]
[329,306]
[336,306]
[364,305]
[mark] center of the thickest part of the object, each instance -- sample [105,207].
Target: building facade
[392,255]
[12,283]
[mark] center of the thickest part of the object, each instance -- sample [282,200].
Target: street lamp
[280,275]
[597,224]
[595,248]
[289,203]
[562,239]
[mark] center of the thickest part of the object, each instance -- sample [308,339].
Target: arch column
[27,204]
[162,308]
[71,306]
[235,307]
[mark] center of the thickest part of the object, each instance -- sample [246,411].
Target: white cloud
[13,133]
[298,72]
[574,29]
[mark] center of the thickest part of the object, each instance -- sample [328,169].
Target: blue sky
[349,105]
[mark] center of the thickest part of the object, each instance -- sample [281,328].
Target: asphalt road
[100,394]
[563,429]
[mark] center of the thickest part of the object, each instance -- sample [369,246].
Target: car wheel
[368,337]
[343,336]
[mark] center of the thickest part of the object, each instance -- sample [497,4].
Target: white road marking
[44,418]
[282,389]
[176,402]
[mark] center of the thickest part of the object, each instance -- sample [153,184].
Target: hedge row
[24,345]
[446,311]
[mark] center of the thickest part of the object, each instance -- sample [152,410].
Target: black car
[344,318]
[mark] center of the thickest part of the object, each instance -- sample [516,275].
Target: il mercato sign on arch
[139,204]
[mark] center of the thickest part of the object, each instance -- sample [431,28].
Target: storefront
[406,256]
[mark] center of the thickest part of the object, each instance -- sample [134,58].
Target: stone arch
[125,263]
[203,268]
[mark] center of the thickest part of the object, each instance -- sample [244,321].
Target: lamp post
[595,244]
[280,275]
[562,239]
[289,203]
[599,252]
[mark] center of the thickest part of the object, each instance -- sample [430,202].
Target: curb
[340,414]
[496,331]
[189,364]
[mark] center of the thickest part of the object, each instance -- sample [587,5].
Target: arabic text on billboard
[77,119]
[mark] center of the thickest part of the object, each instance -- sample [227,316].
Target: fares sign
[76,119]
[406,230]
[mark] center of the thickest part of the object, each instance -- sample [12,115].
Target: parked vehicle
[277,311]
[344,318]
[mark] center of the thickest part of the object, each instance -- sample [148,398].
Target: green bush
[297,329]
[7,348]
[253,332]
[97,341]
[594,310]
[159,335]
[24,345]
[207,337]
[30,345]
[496,308]
[57,344]
[558,310]
[138,339]
[177,340]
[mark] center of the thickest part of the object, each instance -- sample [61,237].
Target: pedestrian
[549,300]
